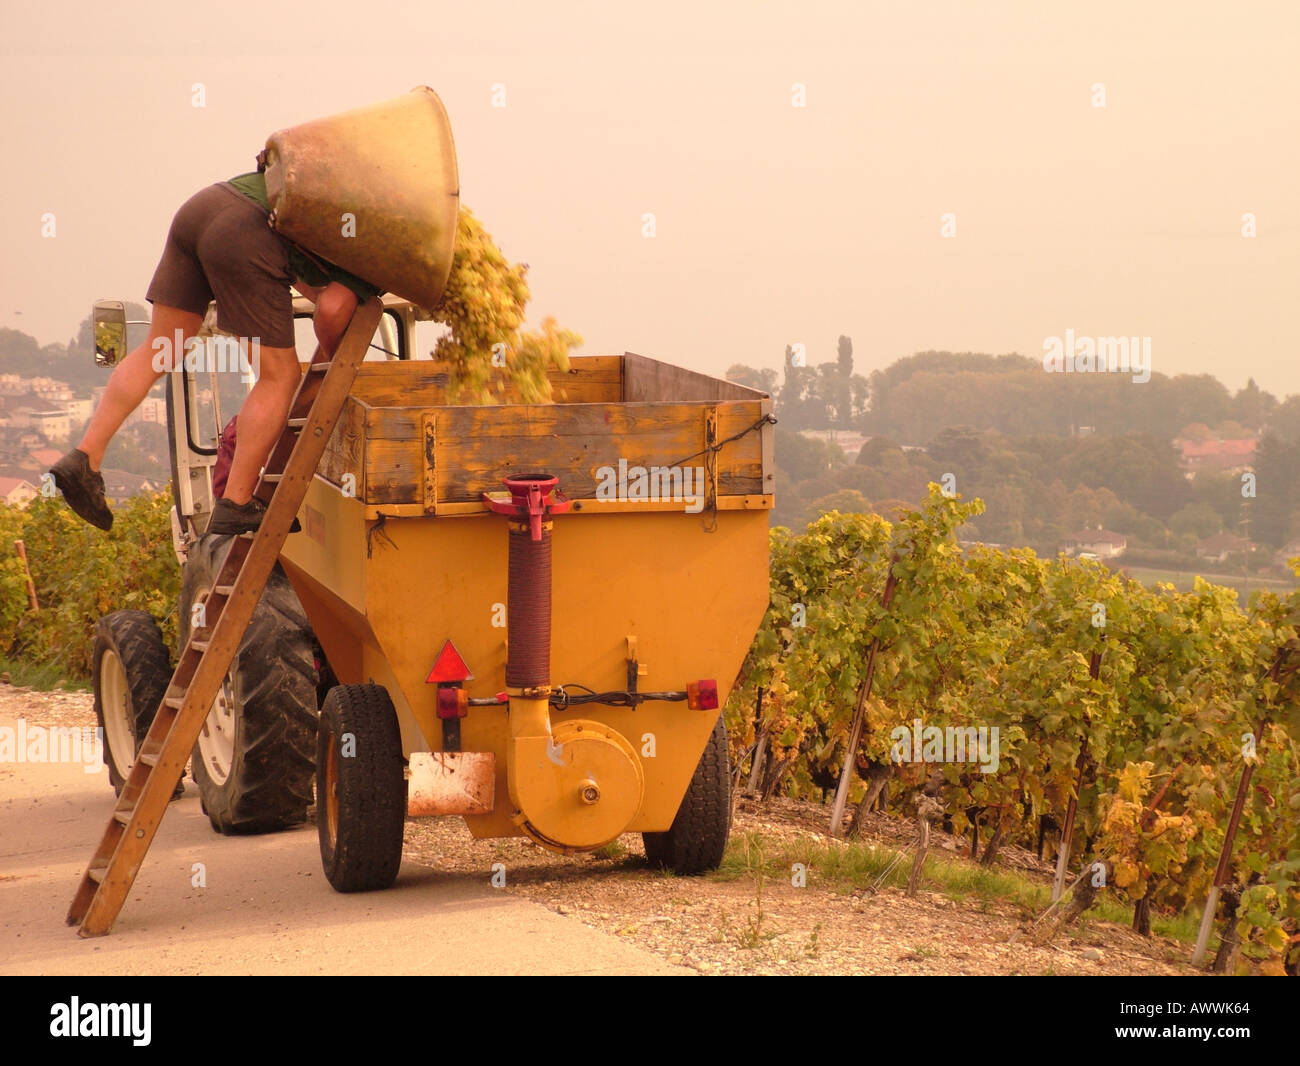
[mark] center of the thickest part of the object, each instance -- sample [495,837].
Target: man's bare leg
[261,420]
[135,375]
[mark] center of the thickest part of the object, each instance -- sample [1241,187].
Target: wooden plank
[478,446]
[345,452]
[421,382]
[649,381]
[575,443]
[394,471]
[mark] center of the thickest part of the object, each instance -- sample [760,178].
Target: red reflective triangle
[449,666]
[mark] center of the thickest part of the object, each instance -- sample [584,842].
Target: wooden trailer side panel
[582,444]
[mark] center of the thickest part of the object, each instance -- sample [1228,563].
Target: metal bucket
[373,190]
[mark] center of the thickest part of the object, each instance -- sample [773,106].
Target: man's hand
[334,306]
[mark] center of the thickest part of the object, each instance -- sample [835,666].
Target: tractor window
[387,343]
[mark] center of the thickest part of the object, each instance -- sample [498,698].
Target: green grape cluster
[490,355]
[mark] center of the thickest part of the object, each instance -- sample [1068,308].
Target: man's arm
[334,306]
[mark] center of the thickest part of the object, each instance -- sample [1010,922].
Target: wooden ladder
[207,657]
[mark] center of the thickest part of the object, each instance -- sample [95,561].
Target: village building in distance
[39,420]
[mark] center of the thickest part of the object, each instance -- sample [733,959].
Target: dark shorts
[220,247]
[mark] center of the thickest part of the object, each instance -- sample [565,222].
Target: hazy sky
[776,224]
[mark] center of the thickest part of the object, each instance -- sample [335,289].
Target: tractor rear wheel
[360,788]
[697,838]
[131,671]
[253,760]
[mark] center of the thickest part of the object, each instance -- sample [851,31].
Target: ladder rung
[149,759]
[200,645]
[297,423]
[272,478]
[96,873]
[174,701]
[223,590]
[122,816]
[319,368]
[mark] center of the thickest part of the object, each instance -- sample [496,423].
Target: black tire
[361,796]
[255,776]
[131,672]
[698,836]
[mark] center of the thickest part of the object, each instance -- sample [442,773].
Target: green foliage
[80,574]
[1153,745]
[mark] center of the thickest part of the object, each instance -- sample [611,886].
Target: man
[220,246]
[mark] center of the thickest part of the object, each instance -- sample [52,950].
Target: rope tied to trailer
[378,527]
[710,453]
[713,449]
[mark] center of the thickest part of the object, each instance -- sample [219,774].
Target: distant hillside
[918,397]
[74,362]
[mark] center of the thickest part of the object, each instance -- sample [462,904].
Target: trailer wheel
[697,838]
[254,758]
[131,672]
[360,788]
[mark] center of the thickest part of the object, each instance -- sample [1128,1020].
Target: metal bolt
[590,793]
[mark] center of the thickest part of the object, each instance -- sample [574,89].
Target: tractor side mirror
[110,332]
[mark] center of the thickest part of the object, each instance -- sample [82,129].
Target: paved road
[266,907]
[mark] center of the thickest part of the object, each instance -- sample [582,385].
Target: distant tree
[1139,469]
[764,379]
[1276,491]
[795,400]
[846,501]
[844,383]
[1284,420]
[1196,519]
[891,509]
[1221,492]
[959,446]
[874,449]
[804,458]
[1251,406]
[1197,431]
[1148,532]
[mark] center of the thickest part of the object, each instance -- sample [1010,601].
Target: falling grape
[483,305]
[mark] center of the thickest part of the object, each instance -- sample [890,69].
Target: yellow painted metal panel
[693,600]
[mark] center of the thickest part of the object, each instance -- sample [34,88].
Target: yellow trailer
[585,649]
[428,647]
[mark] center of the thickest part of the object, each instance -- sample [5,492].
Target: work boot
[83,488]
[235,518]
